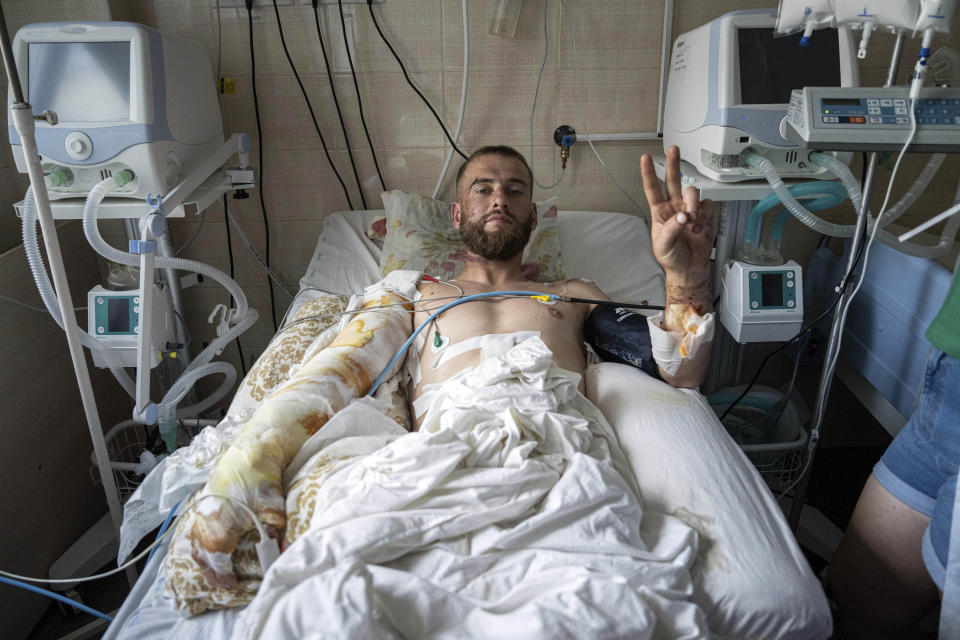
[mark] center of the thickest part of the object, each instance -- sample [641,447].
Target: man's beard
[501,244]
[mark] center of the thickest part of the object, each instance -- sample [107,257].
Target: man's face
[495,213]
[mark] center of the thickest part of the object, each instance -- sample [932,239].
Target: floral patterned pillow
[420,235]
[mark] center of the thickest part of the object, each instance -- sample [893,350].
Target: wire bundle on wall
[356,86]
[256,110]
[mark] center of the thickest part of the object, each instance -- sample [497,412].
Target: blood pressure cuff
[619,335]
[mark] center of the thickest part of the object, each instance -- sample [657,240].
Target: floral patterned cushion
[419,235]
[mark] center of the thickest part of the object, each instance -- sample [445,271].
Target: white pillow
[420,236]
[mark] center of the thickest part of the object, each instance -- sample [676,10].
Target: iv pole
[23,119]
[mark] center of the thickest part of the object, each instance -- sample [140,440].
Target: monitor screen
[80,81]
[770,68]
[118,315]
[771,287]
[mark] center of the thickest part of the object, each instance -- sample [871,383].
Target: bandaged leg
[251,470]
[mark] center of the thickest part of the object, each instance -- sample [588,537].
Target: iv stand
[23,119]
[839,314]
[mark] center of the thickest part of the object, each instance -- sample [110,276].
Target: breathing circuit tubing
[242,317]
[536,295]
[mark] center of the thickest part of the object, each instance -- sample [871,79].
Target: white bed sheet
[750,576]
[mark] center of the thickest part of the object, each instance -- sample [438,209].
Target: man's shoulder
[580,288]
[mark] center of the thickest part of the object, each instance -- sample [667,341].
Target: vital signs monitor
[126,97]
[729,86]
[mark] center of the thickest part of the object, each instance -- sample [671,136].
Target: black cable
[336,101]
[313,116]
[256,111]
[409,81]
[610,303]
[226,222]
[356,86]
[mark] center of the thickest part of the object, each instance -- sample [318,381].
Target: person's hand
[681,226]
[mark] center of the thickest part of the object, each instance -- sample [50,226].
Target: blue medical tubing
[163,528]
[489,294]
[56,596]
[833,192]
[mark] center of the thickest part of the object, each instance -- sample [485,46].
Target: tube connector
[123,177]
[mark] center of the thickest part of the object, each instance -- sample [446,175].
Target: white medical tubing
[101,246]
[184,383]
[463,97]
[793,206]
[943,246]
[49,296]
[947,234]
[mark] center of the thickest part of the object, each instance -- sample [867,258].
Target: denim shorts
[919,468]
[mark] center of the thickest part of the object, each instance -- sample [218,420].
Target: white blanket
[506,515]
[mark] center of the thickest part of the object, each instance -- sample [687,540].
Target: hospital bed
[749,577]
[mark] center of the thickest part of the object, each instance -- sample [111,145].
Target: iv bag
[896,16]
[805,16]
[936,15]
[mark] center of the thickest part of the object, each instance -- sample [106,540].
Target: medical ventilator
[729,87]
[125,96]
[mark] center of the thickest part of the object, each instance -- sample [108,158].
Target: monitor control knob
[79,146]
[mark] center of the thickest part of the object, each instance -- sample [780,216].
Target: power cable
[410,82]
[313,116]
[256,111]
[356,86]
[333,91]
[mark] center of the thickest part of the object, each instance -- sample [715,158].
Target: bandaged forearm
[672,348]
[251,470]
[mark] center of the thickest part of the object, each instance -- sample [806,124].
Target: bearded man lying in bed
[495,214]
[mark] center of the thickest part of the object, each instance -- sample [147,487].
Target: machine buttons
[886,102]
[899,102]
[900,111]
[754,304]
[79,146]
[790,303]
[829,119]
[876,120]
[873,111]
[790,283]
[100,329]
[789,274]
[872,102]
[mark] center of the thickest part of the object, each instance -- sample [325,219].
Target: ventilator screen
[770,68]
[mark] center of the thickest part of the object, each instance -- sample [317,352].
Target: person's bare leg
[877,575]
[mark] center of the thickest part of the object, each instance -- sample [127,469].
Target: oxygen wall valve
[564,136]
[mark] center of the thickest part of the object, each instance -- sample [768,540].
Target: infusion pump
[762,303]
